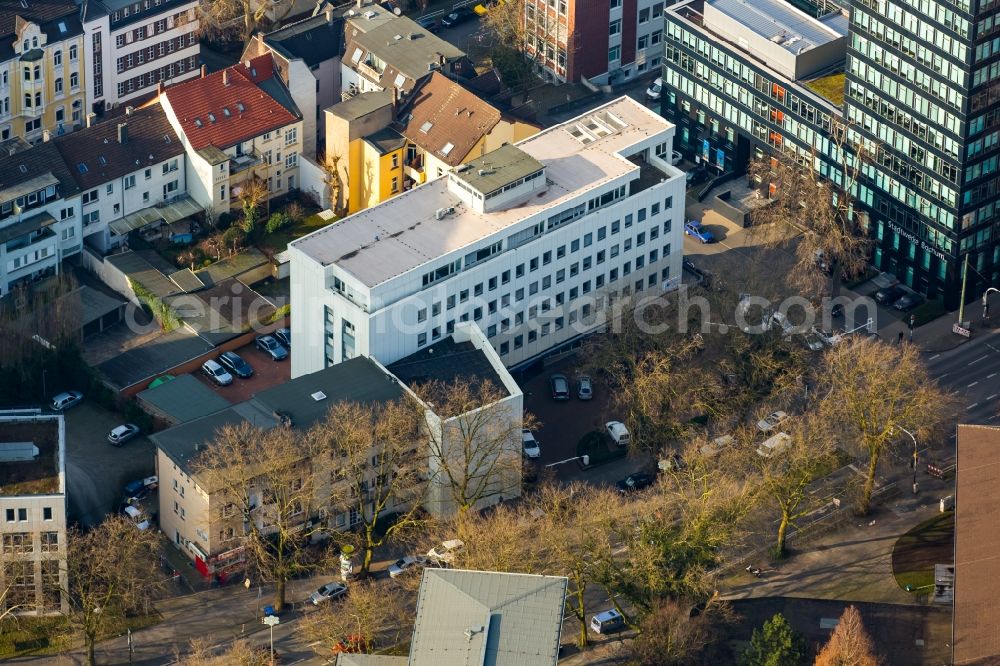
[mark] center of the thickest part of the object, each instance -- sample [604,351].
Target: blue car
[271,347]
[694,228]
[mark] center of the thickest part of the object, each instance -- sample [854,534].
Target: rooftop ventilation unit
[442,213]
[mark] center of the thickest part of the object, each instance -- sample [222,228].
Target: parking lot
[96,471]
[266,373]
[564,423]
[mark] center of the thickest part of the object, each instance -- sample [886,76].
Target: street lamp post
[986,301]
[270,621]
[915,455]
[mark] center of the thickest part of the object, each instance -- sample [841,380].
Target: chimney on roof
[246,63]
[129,110]
[329,14]
[204,71]
[91,117]
[122,133]
[46,136]
[225,77]
[441,60]
[395,99]
[159,88]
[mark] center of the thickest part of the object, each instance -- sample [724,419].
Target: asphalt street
[972,371]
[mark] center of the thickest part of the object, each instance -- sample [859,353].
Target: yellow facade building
[42,86]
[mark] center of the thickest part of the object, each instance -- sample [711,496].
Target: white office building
[530,241]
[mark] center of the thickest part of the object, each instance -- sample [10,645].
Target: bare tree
[265,482]
[375,615]
[820,213]
[672,635]
[225,19]
[850,644]
[112,572]
[474,438]
[378,464]
[506,21]
[872,390]
[338,180]
[252,195]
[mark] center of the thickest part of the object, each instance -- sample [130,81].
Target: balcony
[244,162]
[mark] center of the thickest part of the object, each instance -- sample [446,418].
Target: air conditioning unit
[440,213]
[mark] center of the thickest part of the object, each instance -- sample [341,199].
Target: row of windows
[156,51]
[23,514]
[23,543]
[21,588]
[161,74]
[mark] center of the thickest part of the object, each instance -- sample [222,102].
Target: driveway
[95,470]
[266,373]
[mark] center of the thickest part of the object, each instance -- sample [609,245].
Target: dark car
[429,23]
[888,295]
[271,347]
[235,364]
[907,302]
[560,387]
[284,336]
[634,482]
[460,15]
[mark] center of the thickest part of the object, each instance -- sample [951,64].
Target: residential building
[237,125]
[599,41]
[481,617]
[531,241]
[921,91]
[40,217]
[33,513]
[203,522]
[387,147]
[739,81]
[129,171]
[42,74]
[132,47]
[307,57]
[383,51]
[977,565]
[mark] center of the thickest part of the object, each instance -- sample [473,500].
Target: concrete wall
[108,274]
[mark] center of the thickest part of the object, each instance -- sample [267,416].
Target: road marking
[944,375]
[993,396]
[933,357]
[991,376]
[972,384]
[984,356]
[971,406]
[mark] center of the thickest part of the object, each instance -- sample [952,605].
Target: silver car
[328,592]
[64,401]
[584,388]
[122,434]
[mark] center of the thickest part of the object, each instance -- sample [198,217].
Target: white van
[618,432]
[775,445]
[607,622]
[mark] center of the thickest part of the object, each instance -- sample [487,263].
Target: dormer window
[211,117]
[197,122]
[226,112]
[240,107]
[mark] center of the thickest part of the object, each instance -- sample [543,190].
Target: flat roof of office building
[402,233]
[781,23]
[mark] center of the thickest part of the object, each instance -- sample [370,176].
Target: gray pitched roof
[488,618]
[409,54]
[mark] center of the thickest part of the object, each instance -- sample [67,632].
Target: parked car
[121,434]
[141,487]
[908,302]
[284,336]
[65,400]
[560,387]
[775,445]
[328,592]
[889,295]
[429,23]
[408,563]
[714,447]
[771,421]
[481,10]
[634,482]
[460,15]
[529,445]
[618,432]
[584,388]
[695,229]
[675,158]
[235,364]
[655,90]
[607,622]
[271,347]
[136,515]
[445,553]
[216,373]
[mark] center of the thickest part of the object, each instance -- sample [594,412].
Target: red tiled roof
[251,110]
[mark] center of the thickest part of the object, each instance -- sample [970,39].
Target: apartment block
[531,241]
[33,513]
[131,47]
[237,126]
[42,73]
[599,41]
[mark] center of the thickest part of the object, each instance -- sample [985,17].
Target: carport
[168,214]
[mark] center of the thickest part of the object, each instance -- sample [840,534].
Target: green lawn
[279,240]
[596,445]
[830,87]
[916,552]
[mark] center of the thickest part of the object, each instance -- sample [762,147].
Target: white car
[654,91]
[64,401]
[618,432]
[771,421]
[775,445]
[675,158]
[529,445]
[446,552]
[408,563]
[123,433]
[328,592]
[216,373]
[135,513]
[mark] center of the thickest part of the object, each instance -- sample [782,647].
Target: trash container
[268,611]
